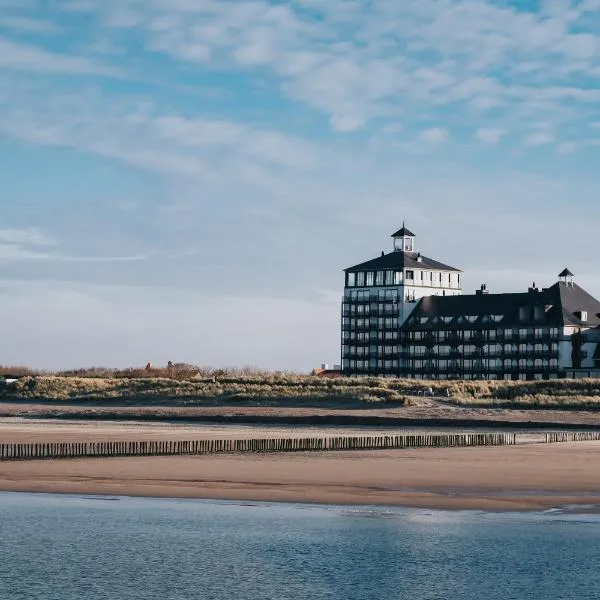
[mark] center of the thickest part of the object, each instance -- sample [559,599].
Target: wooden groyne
[572,436]
[31,451]
[183,447]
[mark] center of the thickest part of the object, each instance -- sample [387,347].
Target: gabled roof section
[575,299]
[401,260]
[561,304]
[566,273]
[404,232]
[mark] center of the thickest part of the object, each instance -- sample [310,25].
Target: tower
[404,240]
[379,296]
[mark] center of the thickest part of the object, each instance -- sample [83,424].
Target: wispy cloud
[489,135]
[28,25]
[136,133]
[434,135]
[30,244]
[23,57]
[359,61]
[538,138]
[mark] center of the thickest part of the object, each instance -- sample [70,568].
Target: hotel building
[404,315]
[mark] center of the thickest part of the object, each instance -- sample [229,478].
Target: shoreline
[582,505]
[506,479]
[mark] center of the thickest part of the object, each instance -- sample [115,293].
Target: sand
[526,477]
[19,430]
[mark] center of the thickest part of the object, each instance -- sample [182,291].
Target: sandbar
[525,477]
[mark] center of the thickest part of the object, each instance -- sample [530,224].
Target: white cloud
[28,236]
[33,245]
[357,62]
[28,25]
[434,135]
[489,135]
[23,57]
[137,134]
[538,138]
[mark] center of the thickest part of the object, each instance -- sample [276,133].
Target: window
[398,278]
[379,278]
[369,278]
[389,278]
[351,279]
[410,274]
[360,279]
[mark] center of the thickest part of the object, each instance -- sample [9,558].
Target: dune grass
[190,385]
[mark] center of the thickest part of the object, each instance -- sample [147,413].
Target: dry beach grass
[195,388]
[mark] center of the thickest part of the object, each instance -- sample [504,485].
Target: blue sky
[185,179]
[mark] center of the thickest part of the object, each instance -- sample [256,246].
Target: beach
[523,477]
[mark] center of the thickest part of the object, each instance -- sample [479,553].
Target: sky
[186,180]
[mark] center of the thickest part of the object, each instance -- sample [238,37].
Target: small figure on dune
[148,366]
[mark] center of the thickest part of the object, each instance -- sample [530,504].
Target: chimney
[419,257]
[482,291]
[382,253]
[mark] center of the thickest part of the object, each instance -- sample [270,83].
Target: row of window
[465,349]
[478,365]
[366,309]
[411,277]
[365,336]
[465,365]
[371,296]
[489,334]
[374,278]
[371,322]
[366,350]
[487,348]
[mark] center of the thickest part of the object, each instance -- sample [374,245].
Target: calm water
[71,548]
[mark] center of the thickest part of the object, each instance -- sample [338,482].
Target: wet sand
[527,477]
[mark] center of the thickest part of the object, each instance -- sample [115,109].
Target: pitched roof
[401,260]
[566,273]
[560,302]
[403,232]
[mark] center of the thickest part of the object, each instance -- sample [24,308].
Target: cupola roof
[404,232]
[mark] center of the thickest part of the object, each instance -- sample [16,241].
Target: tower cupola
[404,240]
[566,276]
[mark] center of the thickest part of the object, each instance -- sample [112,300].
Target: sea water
[56,547]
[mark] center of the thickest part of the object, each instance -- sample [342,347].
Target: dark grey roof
[566,273]
[403,232]
[401,260]
[560,303]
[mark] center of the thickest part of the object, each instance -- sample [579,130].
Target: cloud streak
[23,57]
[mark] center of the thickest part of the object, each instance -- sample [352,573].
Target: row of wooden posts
[572,436]
[165,448]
